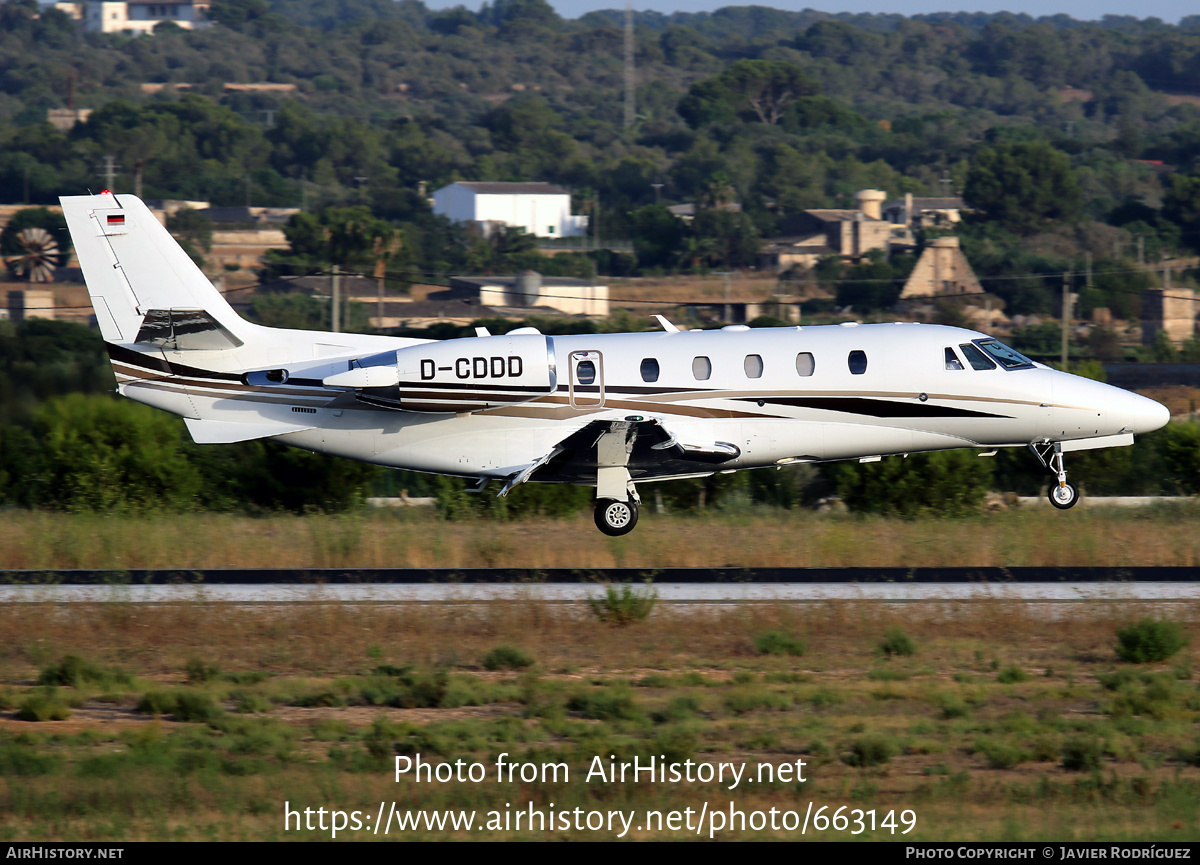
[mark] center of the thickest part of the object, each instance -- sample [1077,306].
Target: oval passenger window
[585,372]
[650,369]
[805,365]
[857,362]
[753,366]
[701,368]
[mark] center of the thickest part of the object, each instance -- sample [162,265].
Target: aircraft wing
[646,448]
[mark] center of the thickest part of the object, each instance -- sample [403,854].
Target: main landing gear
[1062,494]
[615,517]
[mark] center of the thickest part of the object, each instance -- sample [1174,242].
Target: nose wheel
[1062,494]
[615,517]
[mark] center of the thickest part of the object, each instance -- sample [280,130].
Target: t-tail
[175,342]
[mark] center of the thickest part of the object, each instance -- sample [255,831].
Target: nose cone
[1107,410]
[1139,414]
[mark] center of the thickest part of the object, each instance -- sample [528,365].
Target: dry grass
[339,638]
[766,538]
[813,707]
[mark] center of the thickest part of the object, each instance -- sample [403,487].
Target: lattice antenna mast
[630,110]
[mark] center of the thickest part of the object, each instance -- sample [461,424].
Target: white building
[542,209]
[133,16]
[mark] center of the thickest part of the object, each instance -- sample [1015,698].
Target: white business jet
[605,410]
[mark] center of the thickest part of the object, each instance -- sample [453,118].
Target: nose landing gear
[1062,494]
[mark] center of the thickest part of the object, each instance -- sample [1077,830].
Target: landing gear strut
[1062,494]
[615,517]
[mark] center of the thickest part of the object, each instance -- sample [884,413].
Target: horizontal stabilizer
[214,432]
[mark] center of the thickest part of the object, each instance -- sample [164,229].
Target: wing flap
[647,448]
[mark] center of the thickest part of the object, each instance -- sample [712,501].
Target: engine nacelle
[456,375]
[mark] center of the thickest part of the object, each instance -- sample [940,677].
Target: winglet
[666,325]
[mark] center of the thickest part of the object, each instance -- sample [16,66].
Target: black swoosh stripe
[875,407]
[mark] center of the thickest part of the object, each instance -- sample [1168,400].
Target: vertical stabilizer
[133,266]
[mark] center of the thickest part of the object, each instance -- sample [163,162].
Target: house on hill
[136,16]
[541,209]
[850,234]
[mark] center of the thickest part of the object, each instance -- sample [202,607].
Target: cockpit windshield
[1009,358]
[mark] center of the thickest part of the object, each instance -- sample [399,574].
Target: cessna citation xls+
[605,410]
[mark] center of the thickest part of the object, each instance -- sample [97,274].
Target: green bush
[506,658]
[946,482]
[156,703]
[869,751]
[605,705]
[678,709]
[74,671]
[196,706]
[199,672]
[896,642]
[1013,674]
[779,643]
[24,762]
[1149,641]
[1001,755]
[744,700]
[45,705]
[1082,754]
[624,606]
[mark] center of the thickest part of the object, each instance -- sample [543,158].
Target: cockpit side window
[976,358]
[952,361]
[1009,358]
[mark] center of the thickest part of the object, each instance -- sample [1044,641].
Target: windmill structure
[38,256]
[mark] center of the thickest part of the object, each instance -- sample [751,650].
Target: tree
[98,453]
[193,230]
[657,235]
[748,90]
[947,482]
[1181,205]
[1023,186]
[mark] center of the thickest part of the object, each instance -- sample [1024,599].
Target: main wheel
[616,518]
[1063,497]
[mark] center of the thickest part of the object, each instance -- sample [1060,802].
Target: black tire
[616,518]
[1063,497]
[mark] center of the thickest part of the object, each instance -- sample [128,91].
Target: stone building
[941,270]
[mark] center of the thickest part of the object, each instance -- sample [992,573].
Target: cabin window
[857,361]
[585,372]
[650,369]
[1009,358]
[753,366]
[976,358]
[805,363]
[952,361]
[701,368]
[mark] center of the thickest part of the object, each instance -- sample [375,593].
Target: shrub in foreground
[1082,754]
[1149,640]
[869,751]
[45,705]
[896,642]
[778,643]
[506,658]
[623,606]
